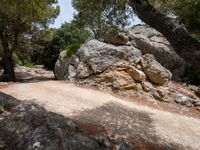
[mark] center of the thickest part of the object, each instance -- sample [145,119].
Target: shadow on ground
[125,124]
[26,126]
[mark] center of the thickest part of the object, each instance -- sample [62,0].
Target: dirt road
[145,127]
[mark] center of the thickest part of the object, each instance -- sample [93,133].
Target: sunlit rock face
[143,66]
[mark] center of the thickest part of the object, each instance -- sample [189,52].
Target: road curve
[120,118]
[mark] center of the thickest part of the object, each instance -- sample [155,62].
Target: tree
[21,18]
[68,34]
[185,45]
[101,13]
[186,10]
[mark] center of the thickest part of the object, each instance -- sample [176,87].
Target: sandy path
[160,129]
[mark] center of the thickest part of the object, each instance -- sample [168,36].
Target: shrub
[16,59]
[71,49]
[30,65]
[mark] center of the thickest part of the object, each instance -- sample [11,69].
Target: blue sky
[66,14]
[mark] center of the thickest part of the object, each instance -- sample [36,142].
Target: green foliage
[50,53]
[30,65]
[26,15]
[101,13]
[19,19]
[71,49]
[68,34]
[16,59]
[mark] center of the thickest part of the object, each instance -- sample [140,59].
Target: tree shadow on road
[27,126]
[121,122]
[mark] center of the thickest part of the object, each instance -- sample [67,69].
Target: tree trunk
[7,62]
[184,45]
[8,67]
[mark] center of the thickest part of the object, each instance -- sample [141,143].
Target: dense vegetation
[18,20]
[68,34]
[113,13]
[45,45]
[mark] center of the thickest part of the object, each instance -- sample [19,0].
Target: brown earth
[132,120]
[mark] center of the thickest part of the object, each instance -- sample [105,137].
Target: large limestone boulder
[123,68]
[94,58]
[120,68]
[155,71]
[150,41]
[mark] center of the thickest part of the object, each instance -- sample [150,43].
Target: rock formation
[128,67]
[150,41]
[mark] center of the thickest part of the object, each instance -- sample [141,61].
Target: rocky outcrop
[93,58]
[150,41]
[37,71]
[155,71]
[104,60]
[122,68]
[112,35]
[25,126]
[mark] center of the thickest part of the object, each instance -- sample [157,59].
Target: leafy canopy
[97,14]
[23,17]
[100,13]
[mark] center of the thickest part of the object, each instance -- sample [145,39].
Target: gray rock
[150,41]
[193,88]
[147,86]
[160,94]
[119,145]
[155,71]
[83,70]
[113,36]
[61,66]
[74,60]
[183,100]
[99,56]
[198,108]
[197,103]
[71,72]
[94,58]
[123,68]
[3,83]
[103,139]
